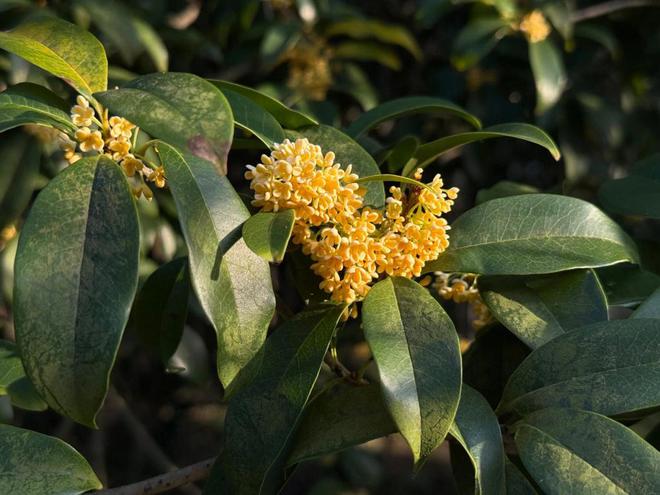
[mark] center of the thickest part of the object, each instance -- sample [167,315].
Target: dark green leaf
[20,166]
[627,284]
[370,28]
[610,368]
[571,451]
[637,194]
[428,152]
[161,307]
[650,308]
[28,103]
[263,416]
[182,109]
[532,234]
[476,40]
[251,117]
[537,309]
[516,482]
[415,346]
[13,381]
[367,51]
[291,119]
[408,105]
[56,46]
[35,464]
[346,152]
[477,430]
[549,73]
[232,283]
[76,275]
[267,234]
[504,189]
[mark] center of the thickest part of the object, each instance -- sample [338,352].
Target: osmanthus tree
[365,258]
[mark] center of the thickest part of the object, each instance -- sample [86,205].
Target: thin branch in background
[165,482]
[610,7]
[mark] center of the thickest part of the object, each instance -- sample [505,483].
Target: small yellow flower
[119,148]
[130,164]
[309,69]
[143,190]
[158,177]
[463,289]
[82,114]
[120,128]
[535,26]
[89,140]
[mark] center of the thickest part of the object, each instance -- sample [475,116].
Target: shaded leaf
[232,283]
[251,117]
[55,46]
[610,368]
[267,234]
[182,109]
[34,464]
[28,103]
[370,28]
[20,167]
[263,416]
[75,282]
[504,189]
[367,51]
[415,346]
[476,40]
[14,382]
[516,482]
[571,451]
[533,234]
[650,308]
[549,73]
[641,190]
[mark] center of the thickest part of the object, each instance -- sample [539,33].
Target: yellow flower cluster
[463,289]
[351,245]
[309,69]
[535,27]
[111,136]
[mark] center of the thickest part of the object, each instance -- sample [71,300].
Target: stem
[165,482]
[610,7]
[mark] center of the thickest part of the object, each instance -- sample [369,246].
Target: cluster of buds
[113,137]
[463,289]
[309,69]
[535,26]
[351,245]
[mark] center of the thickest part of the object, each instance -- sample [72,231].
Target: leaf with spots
[14,382]
[76,275]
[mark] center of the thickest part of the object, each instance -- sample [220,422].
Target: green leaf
[341,417]
[251,117]
[627,284]
[346,152]
[408,105]
[34,464]
[476,40]
[415,346]
[263,417]
[650,308]
[504,189]
[637,194]
[291,119]
[571,451]
[267,234]
[549,73]
[21,157]
[161,307]
[516,482]
[429,152]
[610,368]
[28,103]
[232,283]
[76,275]
[56,46]
[477,430]
[367,51]
[14,382]
[182,109]
[533,234]
[370,28]
[537,309]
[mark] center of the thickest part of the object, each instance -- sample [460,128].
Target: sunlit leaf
[267,234]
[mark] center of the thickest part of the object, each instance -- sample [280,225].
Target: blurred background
[586,71]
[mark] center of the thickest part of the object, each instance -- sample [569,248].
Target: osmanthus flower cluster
[351,245]
[462,288]
[535,26]
[114,137]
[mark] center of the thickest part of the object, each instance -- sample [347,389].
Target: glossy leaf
[357,28]
[34,464]
[641,190]
[14,382]
[538,309]
[254,119]
[182,109]
[20,167]
[549,73]
[55,46]
[571,451]
[408,105]
[415,346]
[650,308]
[263,416]
[232,283]
[161,307]
[610,368]
[346,152]
[477,430]
[76,275]
[28,103]
[533,234]
[429,152]
[342,417]
[267,234]
[289,118]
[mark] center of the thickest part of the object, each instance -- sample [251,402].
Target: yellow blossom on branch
[535,26]
[82,114]
[463,289]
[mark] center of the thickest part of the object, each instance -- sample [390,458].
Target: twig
[610,7]
[165,482]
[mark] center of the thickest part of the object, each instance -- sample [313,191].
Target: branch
[165,482]
[610,7]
